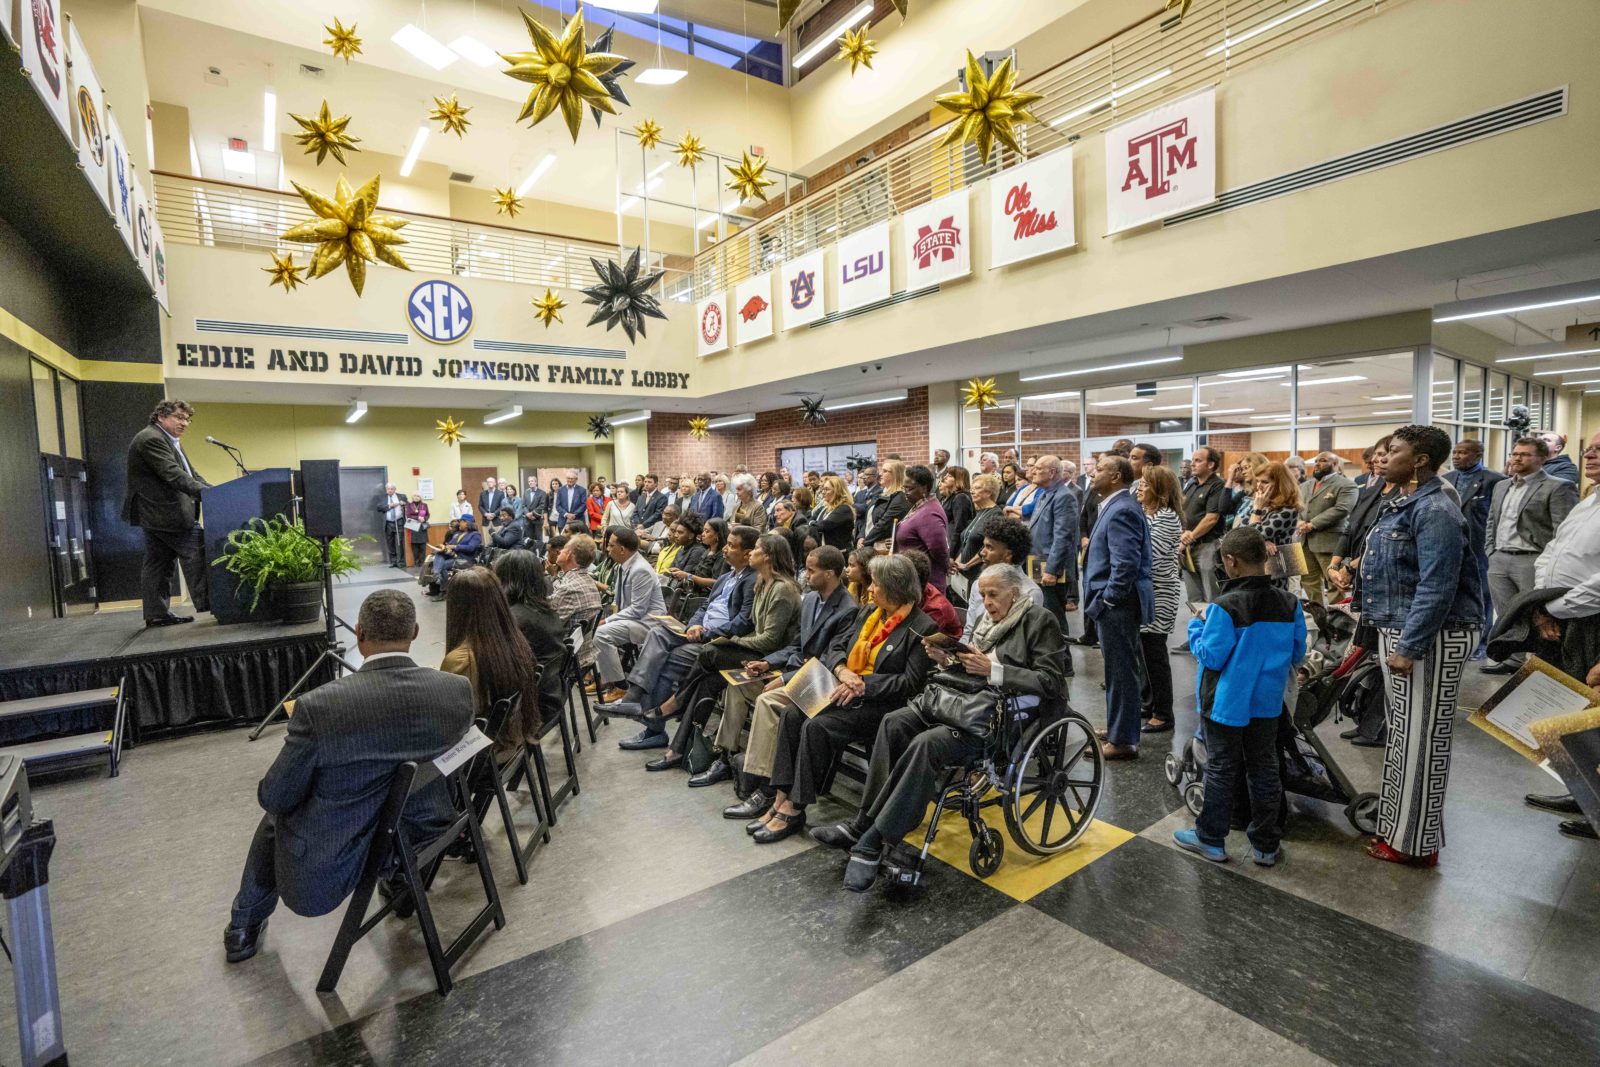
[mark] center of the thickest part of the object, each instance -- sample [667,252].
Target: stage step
[93,743]
[86,698]
[101,742]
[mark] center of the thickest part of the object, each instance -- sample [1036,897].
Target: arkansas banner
[119,177]
[937,239]
[1162,162]
[800,290]
[863,267]
[88,114]
[43,40]
[752,302]
[711,325]
[1030,209]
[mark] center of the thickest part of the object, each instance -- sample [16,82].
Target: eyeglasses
[1592,450]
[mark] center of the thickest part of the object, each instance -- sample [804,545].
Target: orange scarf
[874,632]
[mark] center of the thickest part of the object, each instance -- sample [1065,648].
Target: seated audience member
[789,524]
[323,792]
[886,510]
[604,566]
[965,558]
[523,582]
[1018,650]
[749,510]
[699,572]
[573,592]
[880,663]
[925,527]
[1005,541]
[858,572]
[671,537]
[510,533]
[665,656]
[657,536]
[483,644]
[934,604]
[461,547]
[1245,643]
[835,521]
[636,597]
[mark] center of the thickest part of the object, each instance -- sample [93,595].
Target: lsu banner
[800,290]
[1162,162]
[43,40]
[863,267]
[88,115]
[711,325]
[937,240]
[119,177]
[753,302]
[1030,210]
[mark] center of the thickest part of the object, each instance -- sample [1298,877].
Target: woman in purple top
[925,525]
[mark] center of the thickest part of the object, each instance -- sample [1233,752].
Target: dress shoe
[1562,804]
[621,709]
[862,871]
[1499,668]
[1113,751]
[613,695]
[1350,734]
[719,771]
[407,907]
[1157,726]
[665,763]
[241,942]
[751,807]
[642,740]
[836,835]
[1367,742]
[1379,849]
[1104,735]
[788,826]
[170,620]
[1579,829]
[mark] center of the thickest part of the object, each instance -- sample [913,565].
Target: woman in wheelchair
[1016,650]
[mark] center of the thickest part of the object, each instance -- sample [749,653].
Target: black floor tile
[1347,991]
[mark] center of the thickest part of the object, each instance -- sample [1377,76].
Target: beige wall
[110,30]
[170,129]
[475,203]
[427,189]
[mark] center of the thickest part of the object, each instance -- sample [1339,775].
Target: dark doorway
[360,496]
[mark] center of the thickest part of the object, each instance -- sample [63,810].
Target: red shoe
[1379,849]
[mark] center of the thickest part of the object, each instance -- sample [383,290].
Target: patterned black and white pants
[1416,763]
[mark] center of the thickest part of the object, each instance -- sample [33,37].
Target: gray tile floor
[654,931]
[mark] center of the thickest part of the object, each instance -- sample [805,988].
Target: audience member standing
[1277,510]
[985,509]
[536,512]
[1054,529]
[393,507]
[163,500]
[1203,508]
[491,500]
[1558,465]
[706,502]
[462,508]
[835,524]
[925,526]
[866,494]
[1474,484]
[1524,512]
[1120,598]
[1161,500]
[955,496]
[1327,497]
[416,525]
[570,504]
[888,509]
[651,503]
[620,509]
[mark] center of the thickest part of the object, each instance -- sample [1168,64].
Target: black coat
[958,512]
[1363,517]
[547,637]
[884,513]
[161,493]
[821,623]
[837,528]
[902,668]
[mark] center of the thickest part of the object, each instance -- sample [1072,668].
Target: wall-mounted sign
[1031,209]
[711,325]
[752,302]
[143,245]
[439,311]
[119,177]
[1162,162]
[43,39]
[937,240]
[158,264]
[800,290]
[863,267]
[88,115]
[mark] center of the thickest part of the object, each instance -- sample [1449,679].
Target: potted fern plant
[275,558]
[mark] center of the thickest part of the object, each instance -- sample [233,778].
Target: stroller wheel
[1363,813]
[1194,798]
[1173,768]
[988,848]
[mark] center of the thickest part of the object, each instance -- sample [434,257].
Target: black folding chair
[535,751]
[504,775]
[415,867]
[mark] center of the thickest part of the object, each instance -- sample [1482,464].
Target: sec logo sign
[439,312]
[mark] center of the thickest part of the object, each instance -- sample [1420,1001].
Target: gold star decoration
[986,112]
[548,308]
[980,393]
[700,427]
[449,429]
[564,74]
[285,272]
[750,178]
[1182,7]
[649,134]
[855,47]
[325,135]
[343,40]
[690,150]
[348,231]
[506,201]
[451,116]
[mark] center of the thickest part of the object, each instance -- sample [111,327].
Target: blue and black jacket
[1246,644]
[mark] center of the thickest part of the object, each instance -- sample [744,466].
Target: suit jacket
[1546,503]
[1476,489]
[740,604]
[637,591]
[382,507]
[706,503]
[162,494]
[1117,567]
[774,619]
[330,779]
[864,499]
[572,502]
[1055,526]
[649,509]
[1363,516]
[1328,502]
[820,624]
[534,506]
[902,668]
[490,501]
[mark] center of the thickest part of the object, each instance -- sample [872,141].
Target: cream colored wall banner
[88,114]
[937,240]
[1162,162]
[711,325]
[119,178]
[753,302]
[1031,209]
[863,267]
[43,38]
[801,290]
[142,246]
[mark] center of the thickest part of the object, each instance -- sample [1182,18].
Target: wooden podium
[228,507]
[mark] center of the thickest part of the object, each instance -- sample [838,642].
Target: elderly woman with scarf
[1019,650]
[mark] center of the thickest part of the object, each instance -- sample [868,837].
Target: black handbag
[959,706]
[699,756]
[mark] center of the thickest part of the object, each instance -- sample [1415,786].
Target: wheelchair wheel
[1053,788]
[1173,768]
[987,850]
[1195,798]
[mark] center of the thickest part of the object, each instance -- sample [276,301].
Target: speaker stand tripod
[333,654]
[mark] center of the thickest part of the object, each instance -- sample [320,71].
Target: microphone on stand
[237,456]
[219,444]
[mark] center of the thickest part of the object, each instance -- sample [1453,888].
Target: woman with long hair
[1019,505]
[483,644]
[890,507]
[955,496]
[704,570]
[1242,484]
[1163,504]
[836,520]
[527,593]
[595,506]
[1276,509]
[1010,478]
[858,573]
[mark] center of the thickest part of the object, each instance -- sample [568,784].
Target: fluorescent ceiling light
[536,173]
[1569,370]
[890,397]
[1580,381]
[412,152]
[503,415]
[424,47]
[1097,370]
[1392,411]
[1396,396]
[238,162]
[634,7]
[1115,403]
[1510,303]
[823,43]
[1176,407]
[474,51]
[628,418]
[1051,396]
[1117,93]
[1227,411]
[356,411]
[1270,418]
[1329,381]
[1554,353]
[269,120]
[729,420]
[1254,373]
[661,76]
[1270,24]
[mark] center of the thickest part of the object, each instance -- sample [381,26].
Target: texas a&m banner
[1162,162]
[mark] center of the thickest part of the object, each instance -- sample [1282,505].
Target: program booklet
[744,677]
[1537,691]
[671,622]
[1288,562]
[811,687]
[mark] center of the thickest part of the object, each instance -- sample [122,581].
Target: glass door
[65,483]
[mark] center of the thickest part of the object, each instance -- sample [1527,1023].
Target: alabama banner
[43,40]
[88,114]
[937,239]
[863,267]
[1030,209]
[119,177]
[752,300]
[800,290]
[1162,162]
[711,325]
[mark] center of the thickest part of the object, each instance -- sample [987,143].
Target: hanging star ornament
[690,150]
[750,178]
[857,49]
[623,295]
[602,46]
[348,232]
[989,108]
[649,134]
[599,426]
[449,429]
[547,308]
[342,40]
[811,412]
[325,135]
[980,393]
[506,201]
[564,74]
[450,115]
[700,427]
[285,272]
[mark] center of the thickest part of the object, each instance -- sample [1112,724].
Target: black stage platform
[179,677]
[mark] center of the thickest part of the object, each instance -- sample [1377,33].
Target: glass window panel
[720,57]
[44,408]
[1497,399]
[71,421]
[1519,391]
[1536,406]
[1051,418]
[1472,393]
[1141,409]
[997,429]
[1362,389]
[1444,389]
[736,41]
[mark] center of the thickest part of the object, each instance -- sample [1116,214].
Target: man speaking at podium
[164,501]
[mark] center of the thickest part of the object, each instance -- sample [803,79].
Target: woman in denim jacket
[1419,589]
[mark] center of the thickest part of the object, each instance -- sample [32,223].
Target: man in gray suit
[1523,516]
[163,500]
[1328,497]
[323,793]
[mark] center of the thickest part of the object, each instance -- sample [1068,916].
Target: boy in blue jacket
[1246,642]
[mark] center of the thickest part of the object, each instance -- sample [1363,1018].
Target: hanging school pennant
[119,177]
[1030,209]
[43,41]
[711,325]
[861,267]
[800,290]
[1162,162]
[752,302]
[88,115]
[937,241]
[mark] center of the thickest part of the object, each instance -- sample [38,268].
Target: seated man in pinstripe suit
[323,792]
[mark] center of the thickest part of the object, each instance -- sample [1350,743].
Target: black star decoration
[811,412]
[623,295]
[609,80]
[599,426]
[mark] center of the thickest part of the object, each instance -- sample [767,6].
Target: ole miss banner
[1162,162]
[1030,209]
[937,239]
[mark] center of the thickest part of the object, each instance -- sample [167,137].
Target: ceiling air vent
[307,70]
[464,179]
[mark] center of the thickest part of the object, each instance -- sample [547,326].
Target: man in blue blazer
[1054,527]
[1119,597]
[706,502]
[570,504]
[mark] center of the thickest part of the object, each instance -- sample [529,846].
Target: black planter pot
[298,602]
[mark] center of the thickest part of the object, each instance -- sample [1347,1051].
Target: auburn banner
[1162,162]
[1030,209]
[711,325]
[937,240]
[752,302]
[800,290]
